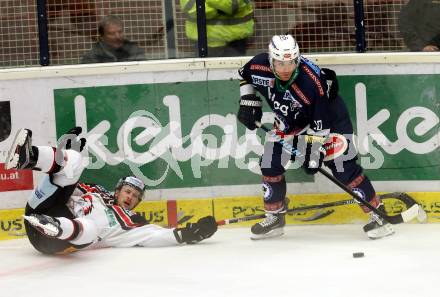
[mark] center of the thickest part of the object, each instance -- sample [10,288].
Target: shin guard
[364,189]
[274,188]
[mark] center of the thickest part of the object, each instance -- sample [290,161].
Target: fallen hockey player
[63,215]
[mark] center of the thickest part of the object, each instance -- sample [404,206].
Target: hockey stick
[405,216]
[291,210]
[405,198]
[316,216]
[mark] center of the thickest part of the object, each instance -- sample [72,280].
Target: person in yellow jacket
[228,24]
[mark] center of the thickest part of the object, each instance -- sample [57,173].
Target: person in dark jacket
[419,24]
[112,46]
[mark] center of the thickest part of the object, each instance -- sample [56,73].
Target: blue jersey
[297,106]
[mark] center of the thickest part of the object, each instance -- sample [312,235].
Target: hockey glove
[72,141]
[332,83]
[195,232]
[250,111]
[313,150]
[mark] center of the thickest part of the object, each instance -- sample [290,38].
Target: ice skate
[46,225]
[377,227]
[20,155]
[271,226]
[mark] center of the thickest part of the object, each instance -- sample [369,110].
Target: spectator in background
[419,23]
[112,46]
[228,24]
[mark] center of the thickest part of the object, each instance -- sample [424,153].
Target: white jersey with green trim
[116,226]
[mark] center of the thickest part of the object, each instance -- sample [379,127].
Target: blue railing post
[202,41]
[359,20]
[169,26]
[43,35]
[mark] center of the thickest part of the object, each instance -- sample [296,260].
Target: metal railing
[49,32]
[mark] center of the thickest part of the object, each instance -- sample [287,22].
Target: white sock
[88,233]
[67,226]
[46,158]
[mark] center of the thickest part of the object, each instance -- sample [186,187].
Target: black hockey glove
[71,140]
[250,111]
[195,232]
[312,147]
[68,141]
[332,83]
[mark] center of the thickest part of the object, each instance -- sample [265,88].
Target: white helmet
[132,181]
[284,48]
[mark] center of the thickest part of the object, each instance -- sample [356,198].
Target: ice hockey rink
[306,261]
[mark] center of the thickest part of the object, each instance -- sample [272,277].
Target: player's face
[113,35]
[128,197]
[284,69]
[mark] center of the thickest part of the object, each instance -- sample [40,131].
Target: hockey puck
[358,255]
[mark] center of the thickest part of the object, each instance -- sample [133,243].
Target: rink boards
[173,213]
[173,123]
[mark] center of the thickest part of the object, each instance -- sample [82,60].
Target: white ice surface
[310,261]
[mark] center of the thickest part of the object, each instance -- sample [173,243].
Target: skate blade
[13,155]
[271,234]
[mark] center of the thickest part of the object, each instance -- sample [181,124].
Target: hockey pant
[50,198]
[343,166]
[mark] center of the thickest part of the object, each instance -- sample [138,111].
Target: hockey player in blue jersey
[310,114]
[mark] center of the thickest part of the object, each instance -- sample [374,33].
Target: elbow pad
[332,83]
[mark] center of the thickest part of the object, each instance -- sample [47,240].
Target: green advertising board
[401,113]
[186,134]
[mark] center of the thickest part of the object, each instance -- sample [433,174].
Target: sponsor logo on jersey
[311,65]
[314,79]
[288,96]
[284,109]
[260,68]
[262,81]
[87,203]
[301,94]
[295,103]
[39,193]
[335,146]
[110,217]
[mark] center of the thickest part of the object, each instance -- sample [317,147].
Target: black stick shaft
[295,152]
[291,210]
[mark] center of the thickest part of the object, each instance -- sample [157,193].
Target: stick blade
[411,213]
